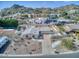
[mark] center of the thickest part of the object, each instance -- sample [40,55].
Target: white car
[3,41]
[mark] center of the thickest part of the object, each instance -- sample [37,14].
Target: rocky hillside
[21,9]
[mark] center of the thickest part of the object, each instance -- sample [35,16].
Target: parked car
[3,41]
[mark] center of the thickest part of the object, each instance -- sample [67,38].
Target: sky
[37,4]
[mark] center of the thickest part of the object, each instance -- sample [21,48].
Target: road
[72,55]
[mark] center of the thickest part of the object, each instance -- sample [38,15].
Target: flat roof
[73,26]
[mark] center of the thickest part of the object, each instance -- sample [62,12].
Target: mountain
[21,9]
[14,9]
[15,6]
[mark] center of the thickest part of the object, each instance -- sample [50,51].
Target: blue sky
[37,4]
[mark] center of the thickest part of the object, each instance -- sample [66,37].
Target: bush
[68,43]
[61,28]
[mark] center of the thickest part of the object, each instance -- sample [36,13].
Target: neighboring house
[40,20]
[54,16]
[72,27]
[73,11]
[30,32]
[62,21]
[36,32]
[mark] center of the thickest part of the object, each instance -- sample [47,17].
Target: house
[30,32]
[53,16]
[73,11]
[72,28]
[36,32]
[40,20]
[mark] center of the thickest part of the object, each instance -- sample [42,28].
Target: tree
[64,13]
[12,23]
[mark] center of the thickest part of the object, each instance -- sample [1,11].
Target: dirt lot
[24,47]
